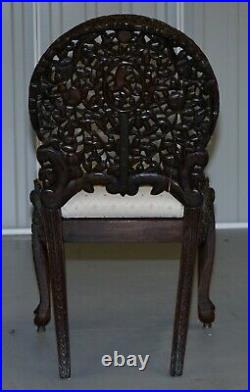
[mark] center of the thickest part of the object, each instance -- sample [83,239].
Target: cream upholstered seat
[101,204]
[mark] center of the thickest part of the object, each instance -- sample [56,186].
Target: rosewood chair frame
[70,163]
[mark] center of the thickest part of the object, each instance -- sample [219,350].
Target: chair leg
[58,283]
[187,262]
[206,309]
[40,259]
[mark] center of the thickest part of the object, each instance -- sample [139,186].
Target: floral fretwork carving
[125,101]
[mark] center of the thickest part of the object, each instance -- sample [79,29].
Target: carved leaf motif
[120,64]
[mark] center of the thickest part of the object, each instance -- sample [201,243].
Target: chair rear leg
[187,262]
[40,259]
[58,282]
[206,309]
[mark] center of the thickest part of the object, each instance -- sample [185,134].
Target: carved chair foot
[206,312]
[205,325]
[41,328]
[42,316]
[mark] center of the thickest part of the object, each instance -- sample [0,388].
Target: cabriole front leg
[206,309]
[40,258]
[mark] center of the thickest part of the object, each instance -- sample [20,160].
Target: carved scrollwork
[108,68]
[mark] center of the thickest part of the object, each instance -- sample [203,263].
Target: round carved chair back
[123,101]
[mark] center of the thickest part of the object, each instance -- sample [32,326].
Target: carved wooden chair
[124,106]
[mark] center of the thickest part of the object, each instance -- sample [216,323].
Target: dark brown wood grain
[122,230]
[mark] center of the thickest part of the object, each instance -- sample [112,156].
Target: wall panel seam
[180,20]
[37,49]
[24,118]
[36,32]
[238,111]
[14,111]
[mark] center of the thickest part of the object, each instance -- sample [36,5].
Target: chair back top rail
[123,101]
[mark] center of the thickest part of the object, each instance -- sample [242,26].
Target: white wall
[219,28]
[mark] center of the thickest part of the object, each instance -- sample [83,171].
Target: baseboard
[219,226]
[232,225]
[16,231]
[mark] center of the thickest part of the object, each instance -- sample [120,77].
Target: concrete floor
[121,297]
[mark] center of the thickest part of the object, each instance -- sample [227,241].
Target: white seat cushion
[101,204]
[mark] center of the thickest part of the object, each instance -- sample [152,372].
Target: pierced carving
[127,101]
